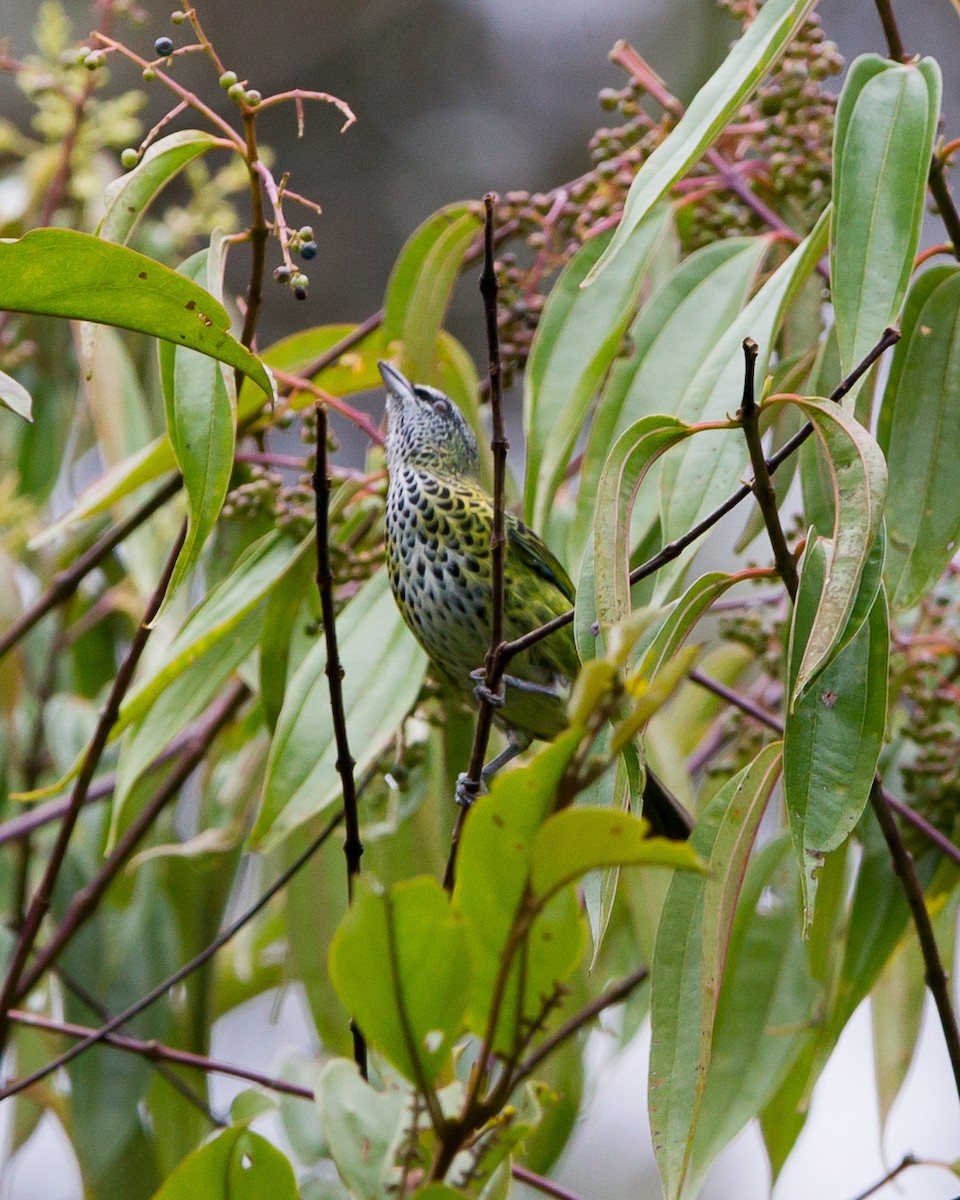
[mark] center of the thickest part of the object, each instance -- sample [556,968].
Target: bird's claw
[482,692]
[467,790]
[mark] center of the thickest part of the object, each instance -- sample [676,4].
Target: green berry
[129,158]
[163,46]
[94,61]
[299,280]
[306,233]
[236,91]
[178,17]
[252,98]
[228,79]
[149,74]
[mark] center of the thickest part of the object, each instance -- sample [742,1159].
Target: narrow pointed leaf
[701,475]
[886,120]
[129,197]
[834,732]
[733,83]
[672,335]
[689,959]
[859,478]
[421,284]
[577,337]
[918,431]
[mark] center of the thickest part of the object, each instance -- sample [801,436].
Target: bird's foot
[482,692]
[467,790]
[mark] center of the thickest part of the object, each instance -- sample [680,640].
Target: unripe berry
[252,98]
[299,281]
[305,232]
[236,91]
[94,61]
[129,158]
[149,74]
[228,79]
[178,17]
[282,274]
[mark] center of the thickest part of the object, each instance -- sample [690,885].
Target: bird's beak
[398,387]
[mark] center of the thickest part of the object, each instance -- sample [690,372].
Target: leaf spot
[191,305]
[142,275]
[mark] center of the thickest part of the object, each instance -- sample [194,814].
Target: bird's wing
[533,553]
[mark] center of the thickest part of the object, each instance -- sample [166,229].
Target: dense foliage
[184,725]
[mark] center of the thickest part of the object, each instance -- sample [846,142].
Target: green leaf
[764,1007]
[629,460]
[15,396]
[201,423]
[731,85]
[578,335]
[578,840]
[63,273]
[689,958]
[886,121]
[918,430]
[859,478]
[896,1011]
[492,895]
[701,475]
[681,619]
[236,1165]
[421,284]
[128,198]
[672,335]
[834,733]
[383,672]
[399,964]
[361,1127]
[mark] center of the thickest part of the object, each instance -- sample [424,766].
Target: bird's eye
[441,405]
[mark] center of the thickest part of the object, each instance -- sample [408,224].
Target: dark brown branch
[65,583]
[922,825]
[495,663]
[98,1035]
[934,974]
[762,486]
[737,700]
[41,900]
[353,845]
[84,902]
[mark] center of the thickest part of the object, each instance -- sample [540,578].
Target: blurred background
[455,98]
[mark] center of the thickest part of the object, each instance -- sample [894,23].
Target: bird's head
[426,429]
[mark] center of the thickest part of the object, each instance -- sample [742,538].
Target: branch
[85,901]
[674,549]
[495,663]
[547,1186]
[65,583]
[613,995]
[98,1035]
[935,976]
[762,486]
[352,846]
[108,717]
[158,1052]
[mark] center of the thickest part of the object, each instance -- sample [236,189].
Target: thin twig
[300,383]
[353,845]
[737,700]
[65,583]
[547,1186]
[495,664]
[922,825]
[613,995]
[158,1052]
[44,894]
[934,974]
[762,486]
[18,1085]
[85,901]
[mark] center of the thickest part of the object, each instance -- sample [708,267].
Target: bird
[439,519]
